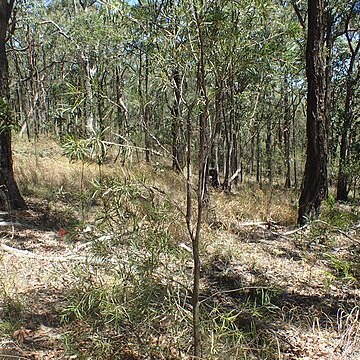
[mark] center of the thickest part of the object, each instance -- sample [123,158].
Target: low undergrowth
[268,290]
[145,289]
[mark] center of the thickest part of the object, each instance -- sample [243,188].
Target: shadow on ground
[38,217]
[262,301]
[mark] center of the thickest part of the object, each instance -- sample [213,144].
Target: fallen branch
[234,176]
[291,232]
[348,236]
[286,234]
[252,223]
[267,225]
[9,223]
[74,258]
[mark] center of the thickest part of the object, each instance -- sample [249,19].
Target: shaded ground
[312,304]
[306,301]
[31,289]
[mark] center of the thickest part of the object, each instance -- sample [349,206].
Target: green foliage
[226,334]
[12,308]
[76,149]
[11,313]
[117,312]
[340,217]
[92,149]
[343,269]
[139,247]
[125,202]
[233,327]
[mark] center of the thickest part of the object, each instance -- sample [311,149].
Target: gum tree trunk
[353,77]
[7,180]
[314,188]
[287,126]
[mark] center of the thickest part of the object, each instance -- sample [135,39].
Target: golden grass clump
[254,204]
[42,169]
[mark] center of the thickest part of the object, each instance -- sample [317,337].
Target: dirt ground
[36,264]
[316,315]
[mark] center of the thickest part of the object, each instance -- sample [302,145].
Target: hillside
[100,267]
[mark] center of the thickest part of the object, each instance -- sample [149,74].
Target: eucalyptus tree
[339,33]
[7,181]
[175,75]
[267,55]
[68,67]
[30,70]
[351,41]
[315,187]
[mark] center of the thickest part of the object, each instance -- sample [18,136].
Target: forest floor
[301,285]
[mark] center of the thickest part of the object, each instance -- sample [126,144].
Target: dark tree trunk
[329,40]
[7,181]
[269,153]
[258,157]
[287,123]
[294,148]
[343,176]
[215,137]
[314,188]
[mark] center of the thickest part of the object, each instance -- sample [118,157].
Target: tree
[314,188]
[7,180]
[352,79]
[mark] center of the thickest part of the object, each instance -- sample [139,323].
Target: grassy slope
[264,295]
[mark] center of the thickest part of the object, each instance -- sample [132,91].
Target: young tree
[314,188]
[7,180]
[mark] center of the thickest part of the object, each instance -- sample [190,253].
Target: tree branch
[298,14]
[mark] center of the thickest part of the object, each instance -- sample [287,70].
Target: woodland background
[160,149]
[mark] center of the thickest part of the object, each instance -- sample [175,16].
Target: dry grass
[264,296]
[251,203]
[41,167]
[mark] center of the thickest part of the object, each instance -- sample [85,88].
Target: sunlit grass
[138,226]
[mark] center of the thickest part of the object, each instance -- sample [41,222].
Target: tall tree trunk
[329,40]
[144,99]
[90,121]
[228,149]
[294,149]
[7,180]
[147,111]
[343,177]
[269,153]
[314,188]
[121,109]
[287,123]
[231,132]
[214,151]
[258,156]
[234,135]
